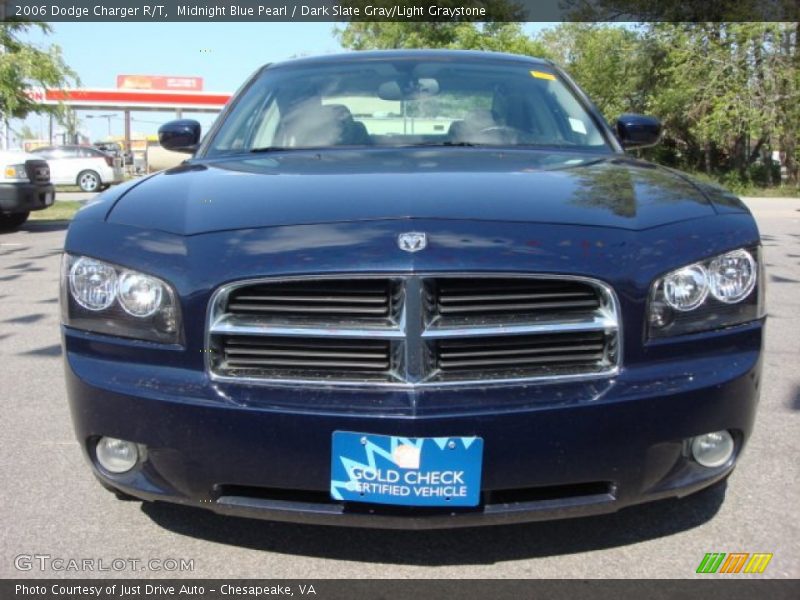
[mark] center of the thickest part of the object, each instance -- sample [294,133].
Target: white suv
[84,166]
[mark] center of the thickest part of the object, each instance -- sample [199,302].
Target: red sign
[115,99]
[159,82]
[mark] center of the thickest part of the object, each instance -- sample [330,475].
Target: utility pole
[107,117]
[3,119]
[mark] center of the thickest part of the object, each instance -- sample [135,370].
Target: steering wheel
[504,132]
[498,128]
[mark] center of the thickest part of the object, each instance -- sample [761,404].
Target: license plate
[48,198]
[382,469]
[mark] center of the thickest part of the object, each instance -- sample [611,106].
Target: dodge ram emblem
[412,241]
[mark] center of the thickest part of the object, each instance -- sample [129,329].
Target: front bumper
[550,451]
[25,197]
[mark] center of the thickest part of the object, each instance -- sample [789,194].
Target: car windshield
[407,102]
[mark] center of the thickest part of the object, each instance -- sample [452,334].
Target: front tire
[10,221]
[89,181]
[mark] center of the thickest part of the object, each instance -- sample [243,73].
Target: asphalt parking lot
[51,504]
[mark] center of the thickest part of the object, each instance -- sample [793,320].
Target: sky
[223,54]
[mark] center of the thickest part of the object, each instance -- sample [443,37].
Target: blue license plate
[382,469]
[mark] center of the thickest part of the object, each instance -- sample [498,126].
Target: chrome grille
[507,297]
[275,356]
[520,355]
[323,300]
[37,171]
[413,330]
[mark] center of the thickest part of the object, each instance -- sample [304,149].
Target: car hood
[308,187]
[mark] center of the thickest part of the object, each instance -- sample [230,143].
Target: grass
[773,192]
[749,189]
[60,211]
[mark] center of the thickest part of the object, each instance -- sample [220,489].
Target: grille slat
[375,299]
[447,355]
[510,297]
[296,309]
[449,330]
[523,341]
[279,352]
[482,308]
[327,364]
[291,344]
[520,362]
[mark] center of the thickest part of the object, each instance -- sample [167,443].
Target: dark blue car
[413,289]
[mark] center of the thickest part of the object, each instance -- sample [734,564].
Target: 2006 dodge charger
[412,289]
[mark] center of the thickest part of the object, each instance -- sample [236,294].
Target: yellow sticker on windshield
[543,75]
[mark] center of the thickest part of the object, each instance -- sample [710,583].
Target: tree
[495,36]
[24,66]
[608,61]
[26,133]
[728,94]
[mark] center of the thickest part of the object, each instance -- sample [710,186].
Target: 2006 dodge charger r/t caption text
[412,289]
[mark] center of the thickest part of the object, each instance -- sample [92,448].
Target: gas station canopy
[132,99]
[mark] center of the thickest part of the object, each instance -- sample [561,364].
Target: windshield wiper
[271,149]
[449,144]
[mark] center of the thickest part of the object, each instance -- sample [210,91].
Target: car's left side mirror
[182,135]
[638,131]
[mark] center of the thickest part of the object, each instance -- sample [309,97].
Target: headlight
[140,295]
[16,173]
[93,284]
[686,289]
[722,291]
[104,298]
[732,276]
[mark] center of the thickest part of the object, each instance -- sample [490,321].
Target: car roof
[60,146]
[69,147]
[472,56]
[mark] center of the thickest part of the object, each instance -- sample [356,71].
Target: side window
[91,153]
[65,152]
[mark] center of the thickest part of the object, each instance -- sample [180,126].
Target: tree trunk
[767,157]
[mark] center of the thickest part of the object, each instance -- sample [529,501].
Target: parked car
[413,289]
[24,187]
[84,166]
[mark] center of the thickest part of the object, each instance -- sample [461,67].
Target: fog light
[713,449]
[116,456]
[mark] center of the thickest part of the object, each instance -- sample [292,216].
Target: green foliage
[24,66]
[610,63]
[499,37]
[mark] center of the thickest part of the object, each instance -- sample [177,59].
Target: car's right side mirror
[182,135]
[638,131]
